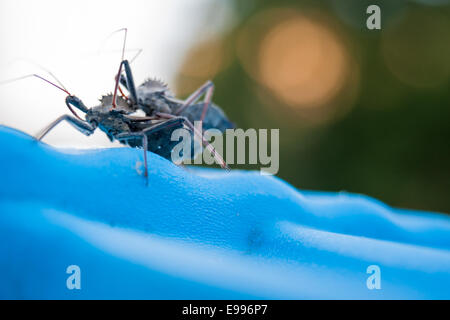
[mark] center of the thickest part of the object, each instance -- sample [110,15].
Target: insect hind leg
[207,89]
[207,145]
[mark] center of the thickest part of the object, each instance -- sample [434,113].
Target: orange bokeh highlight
[303,62]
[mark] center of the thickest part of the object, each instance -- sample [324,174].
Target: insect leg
[127,82]
[123,79]
[134,135]
[131,87]
[208,146]
[154,128]
[205,142]
[143,134]
[207,89]
[145,147]
[82,126]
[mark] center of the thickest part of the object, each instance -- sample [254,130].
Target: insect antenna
[55,78]
[136,55]
[60,86]
[139,51]
[42,68]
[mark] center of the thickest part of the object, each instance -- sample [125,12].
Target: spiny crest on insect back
[156,85]
[106,101]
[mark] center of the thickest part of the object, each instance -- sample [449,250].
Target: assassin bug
[163,114]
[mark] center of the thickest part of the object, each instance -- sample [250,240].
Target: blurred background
[359,110]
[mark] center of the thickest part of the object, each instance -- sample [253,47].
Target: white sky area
[66,36]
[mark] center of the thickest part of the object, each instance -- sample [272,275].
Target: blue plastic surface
[199,234]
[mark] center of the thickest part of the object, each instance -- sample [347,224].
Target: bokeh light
[302,62]
[302,58]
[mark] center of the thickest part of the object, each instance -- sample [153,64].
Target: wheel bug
[163,114]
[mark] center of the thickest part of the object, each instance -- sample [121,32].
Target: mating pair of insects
[163,114]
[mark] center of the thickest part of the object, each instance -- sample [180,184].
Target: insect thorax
[108,118]
[154,96]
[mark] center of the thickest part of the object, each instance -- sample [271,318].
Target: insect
[116,114]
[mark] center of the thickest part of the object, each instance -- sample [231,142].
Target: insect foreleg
[131,87]
[82,126]
[127,81]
